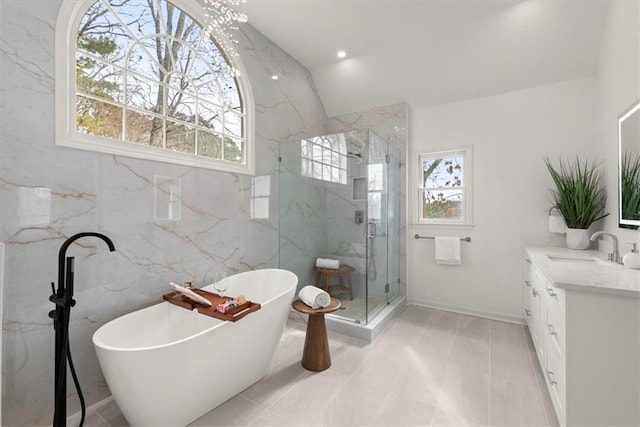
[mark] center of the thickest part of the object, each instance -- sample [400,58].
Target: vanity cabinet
[587,339]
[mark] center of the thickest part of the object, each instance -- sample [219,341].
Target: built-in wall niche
[168,196]
[359,187]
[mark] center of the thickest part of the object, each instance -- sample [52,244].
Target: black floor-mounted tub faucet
[63,299]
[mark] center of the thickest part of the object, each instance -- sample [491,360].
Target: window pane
[305,149]
[209,144]
[442,204]
[316,154]
[210,116]
[144,129]
[142,93]
[233,124]
[180,137]
[181,106]
[233,150]
[443,171]
[98,118]
[98,78]
[141,59]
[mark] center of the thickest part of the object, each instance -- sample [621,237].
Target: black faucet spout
[63,251]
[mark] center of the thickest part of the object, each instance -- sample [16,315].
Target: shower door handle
[372,230]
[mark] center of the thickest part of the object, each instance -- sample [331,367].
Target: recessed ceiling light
[342,54]
[274,77]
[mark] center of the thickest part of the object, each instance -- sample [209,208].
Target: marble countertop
[586,271]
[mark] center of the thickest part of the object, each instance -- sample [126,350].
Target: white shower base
[369,331]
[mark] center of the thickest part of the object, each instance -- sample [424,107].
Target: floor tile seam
[327,403]
[262,407]
[288,387]
[444,375]
[103,418]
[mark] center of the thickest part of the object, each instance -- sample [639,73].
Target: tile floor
[427,368]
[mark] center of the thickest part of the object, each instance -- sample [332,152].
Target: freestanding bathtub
[166,365]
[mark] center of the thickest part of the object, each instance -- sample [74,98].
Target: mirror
[629,167]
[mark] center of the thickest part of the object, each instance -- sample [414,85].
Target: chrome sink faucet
[615,255]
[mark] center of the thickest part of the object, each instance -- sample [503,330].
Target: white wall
[510,134]
[618,86]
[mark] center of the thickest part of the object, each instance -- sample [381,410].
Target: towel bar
[417,236]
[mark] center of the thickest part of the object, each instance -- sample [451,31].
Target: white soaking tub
[168,366]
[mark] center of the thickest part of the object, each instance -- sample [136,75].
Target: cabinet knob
[551,329]
[550,377]
[534,292]
[528,261]
[527,312]
[528,283]
[551,292]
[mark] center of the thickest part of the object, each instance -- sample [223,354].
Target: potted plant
[579,196]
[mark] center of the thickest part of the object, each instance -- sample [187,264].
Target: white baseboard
[466,310]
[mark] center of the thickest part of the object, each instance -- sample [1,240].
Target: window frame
[466,218]
[66,135]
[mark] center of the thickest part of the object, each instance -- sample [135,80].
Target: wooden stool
[324,275]
[316,355]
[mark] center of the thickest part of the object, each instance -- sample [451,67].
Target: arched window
[325,158]
[143,78]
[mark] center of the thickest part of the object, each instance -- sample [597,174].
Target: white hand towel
[448,250]
[314,297]
[332,264]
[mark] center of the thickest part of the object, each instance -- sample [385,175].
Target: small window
[325,158]
[146,79]
[444,195]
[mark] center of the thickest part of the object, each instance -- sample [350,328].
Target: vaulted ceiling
[430,52]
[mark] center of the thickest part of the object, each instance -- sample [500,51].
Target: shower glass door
[376,232]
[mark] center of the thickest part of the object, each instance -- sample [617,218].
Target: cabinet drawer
[555,329]
[555,377]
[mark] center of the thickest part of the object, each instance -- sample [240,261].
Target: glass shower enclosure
[339,199]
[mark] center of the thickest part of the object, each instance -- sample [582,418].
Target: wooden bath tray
[232,315]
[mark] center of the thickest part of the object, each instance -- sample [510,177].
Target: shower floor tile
[428,368]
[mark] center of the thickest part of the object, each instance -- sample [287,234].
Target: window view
[325,158]
[442,187]
[149,74]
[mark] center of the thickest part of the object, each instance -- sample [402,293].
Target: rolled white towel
[332,264]
[314,297]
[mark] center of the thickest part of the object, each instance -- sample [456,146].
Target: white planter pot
[578,238]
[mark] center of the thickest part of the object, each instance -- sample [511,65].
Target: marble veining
[116,196]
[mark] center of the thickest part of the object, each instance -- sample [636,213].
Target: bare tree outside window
[149,74]
[442,186]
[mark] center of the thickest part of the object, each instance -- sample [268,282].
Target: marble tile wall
[209,229]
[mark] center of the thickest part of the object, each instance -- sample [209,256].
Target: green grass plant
[580,195]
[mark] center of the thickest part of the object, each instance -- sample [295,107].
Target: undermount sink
[580,260]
